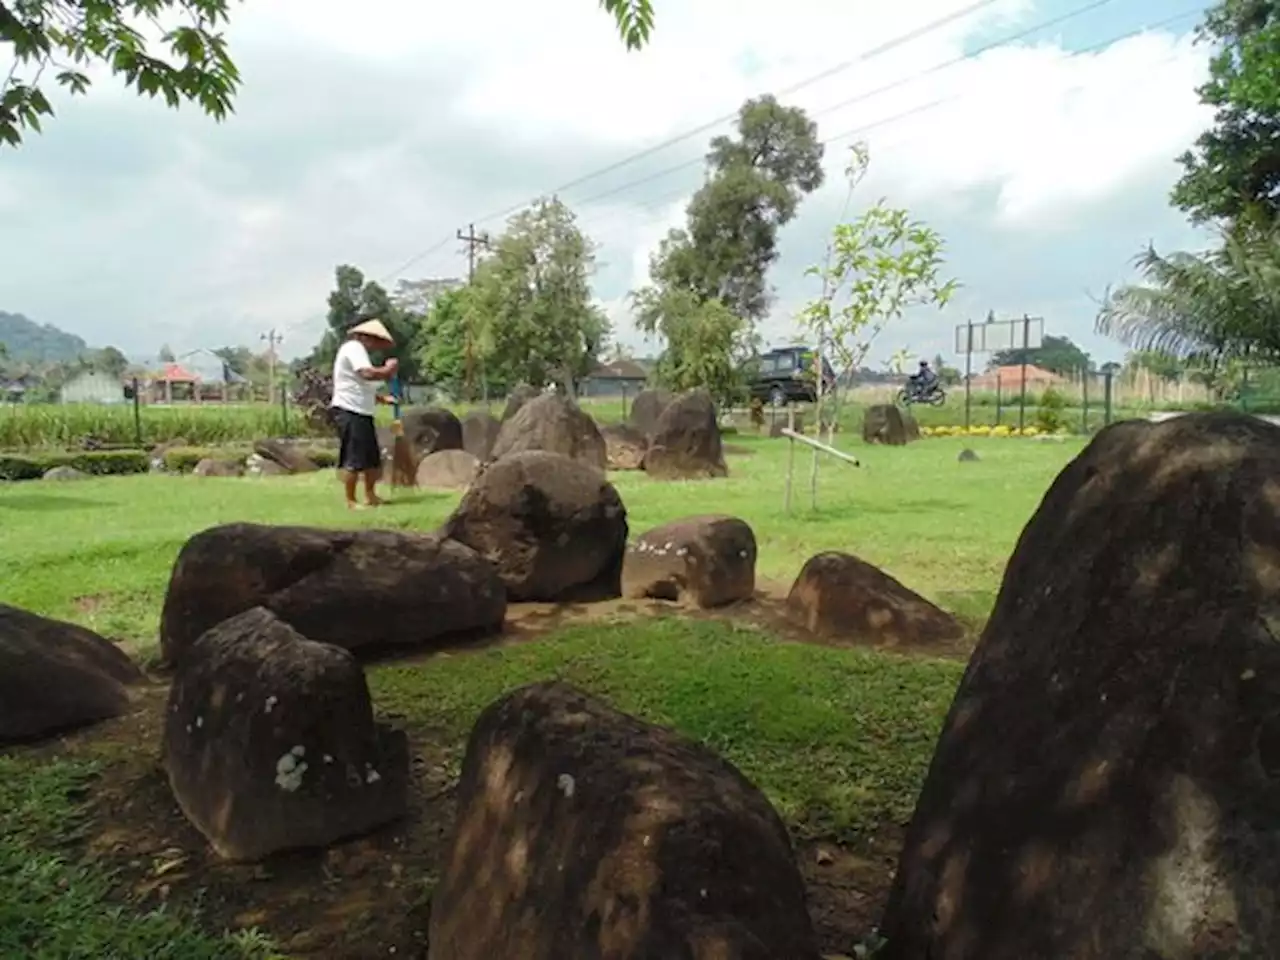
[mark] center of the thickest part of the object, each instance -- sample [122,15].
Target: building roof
[200,366]
[620,370]
[1012,376]
[175,373]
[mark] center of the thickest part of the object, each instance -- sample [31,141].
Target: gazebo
[174,375]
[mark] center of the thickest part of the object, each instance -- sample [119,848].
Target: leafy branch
[634,18]
[69,35]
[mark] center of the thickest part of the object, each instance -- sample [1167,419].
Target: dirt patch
[768,610]
[361,899]
[848,886]
[368,897]
[371,897]
[90,604]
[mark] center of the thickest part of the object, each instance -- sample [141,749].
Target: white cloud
[369,138]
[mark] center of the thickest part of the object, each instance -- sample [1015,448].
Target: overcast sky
[367,133]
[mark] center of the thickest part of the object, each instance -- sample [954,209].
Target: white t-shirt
[350,390]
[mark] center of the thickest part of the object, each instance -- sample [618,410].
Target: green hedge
[184,459]
[99,463]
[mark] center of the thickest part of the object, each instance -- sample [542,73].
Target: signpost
[1025,333]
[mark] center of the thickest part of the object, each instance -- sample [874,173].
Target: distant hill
[26,341]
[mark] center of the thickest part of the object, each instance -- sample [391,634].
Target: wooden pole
[791,457]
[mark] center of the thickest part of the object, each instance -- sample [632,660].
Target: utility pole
[272,339]
[473,241]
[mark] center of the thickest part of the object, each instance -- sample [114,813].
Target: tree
[419,296]
[706,342]
[635,20]
[877,267]
[531,312]
[1055,354]
[1233,171]
[111,361]
[166,355]
[949,375]
[68,36]
[755,183]
[1157,363]
[254,367]
[442,347]
[1204,307]
[355,300]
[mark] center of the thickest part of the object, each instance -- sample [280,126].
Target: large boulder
[517,398]
[270,743]
[552,526]
[1107,782]
[686,440]
[704,561]
[886,424]
[479,433]
[55,676]
[585,833]
[556,424]
[286,455]
[258,466]
[218,467]
[447,470]
[841,597]
[647,407]
[64,473]
[431,429]
[624,445]
[353,588]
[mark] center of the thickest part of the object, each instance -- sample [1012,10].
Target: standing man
[355,398]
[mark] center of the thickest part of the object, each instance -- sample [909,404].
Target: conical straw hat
[374,328]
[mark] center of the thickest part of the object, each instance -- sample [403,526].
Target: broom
[404,472]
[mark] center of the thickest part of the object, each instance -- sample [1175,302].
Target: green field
[839,738]
[24,427]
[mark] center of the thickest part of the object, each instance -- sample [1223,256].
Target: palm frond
[1220,303]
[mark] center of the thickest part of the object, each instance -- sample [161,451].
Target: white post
[791,455]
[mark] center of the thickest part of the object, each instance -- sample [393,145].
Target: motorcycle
[931,394]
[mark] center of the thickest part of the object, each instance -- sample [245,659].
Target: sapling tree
[877,266]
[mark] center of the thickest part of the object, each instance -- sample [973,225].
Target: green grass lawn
[839,739]
[99,551]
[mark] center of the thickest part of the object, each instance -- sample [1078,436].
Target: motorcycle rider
[924,380]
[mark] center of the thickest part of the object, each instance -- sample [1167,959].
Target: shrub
[311,394]
[184,459]
[1050,417]
[26,426]
[99,463]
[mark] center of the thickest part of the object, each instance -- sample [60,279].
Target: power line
[862,97]
[904,114]
[871,54]
[473,241]
[900,115]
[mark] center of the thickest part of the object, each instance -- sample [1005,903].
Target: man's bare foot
[376,501]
